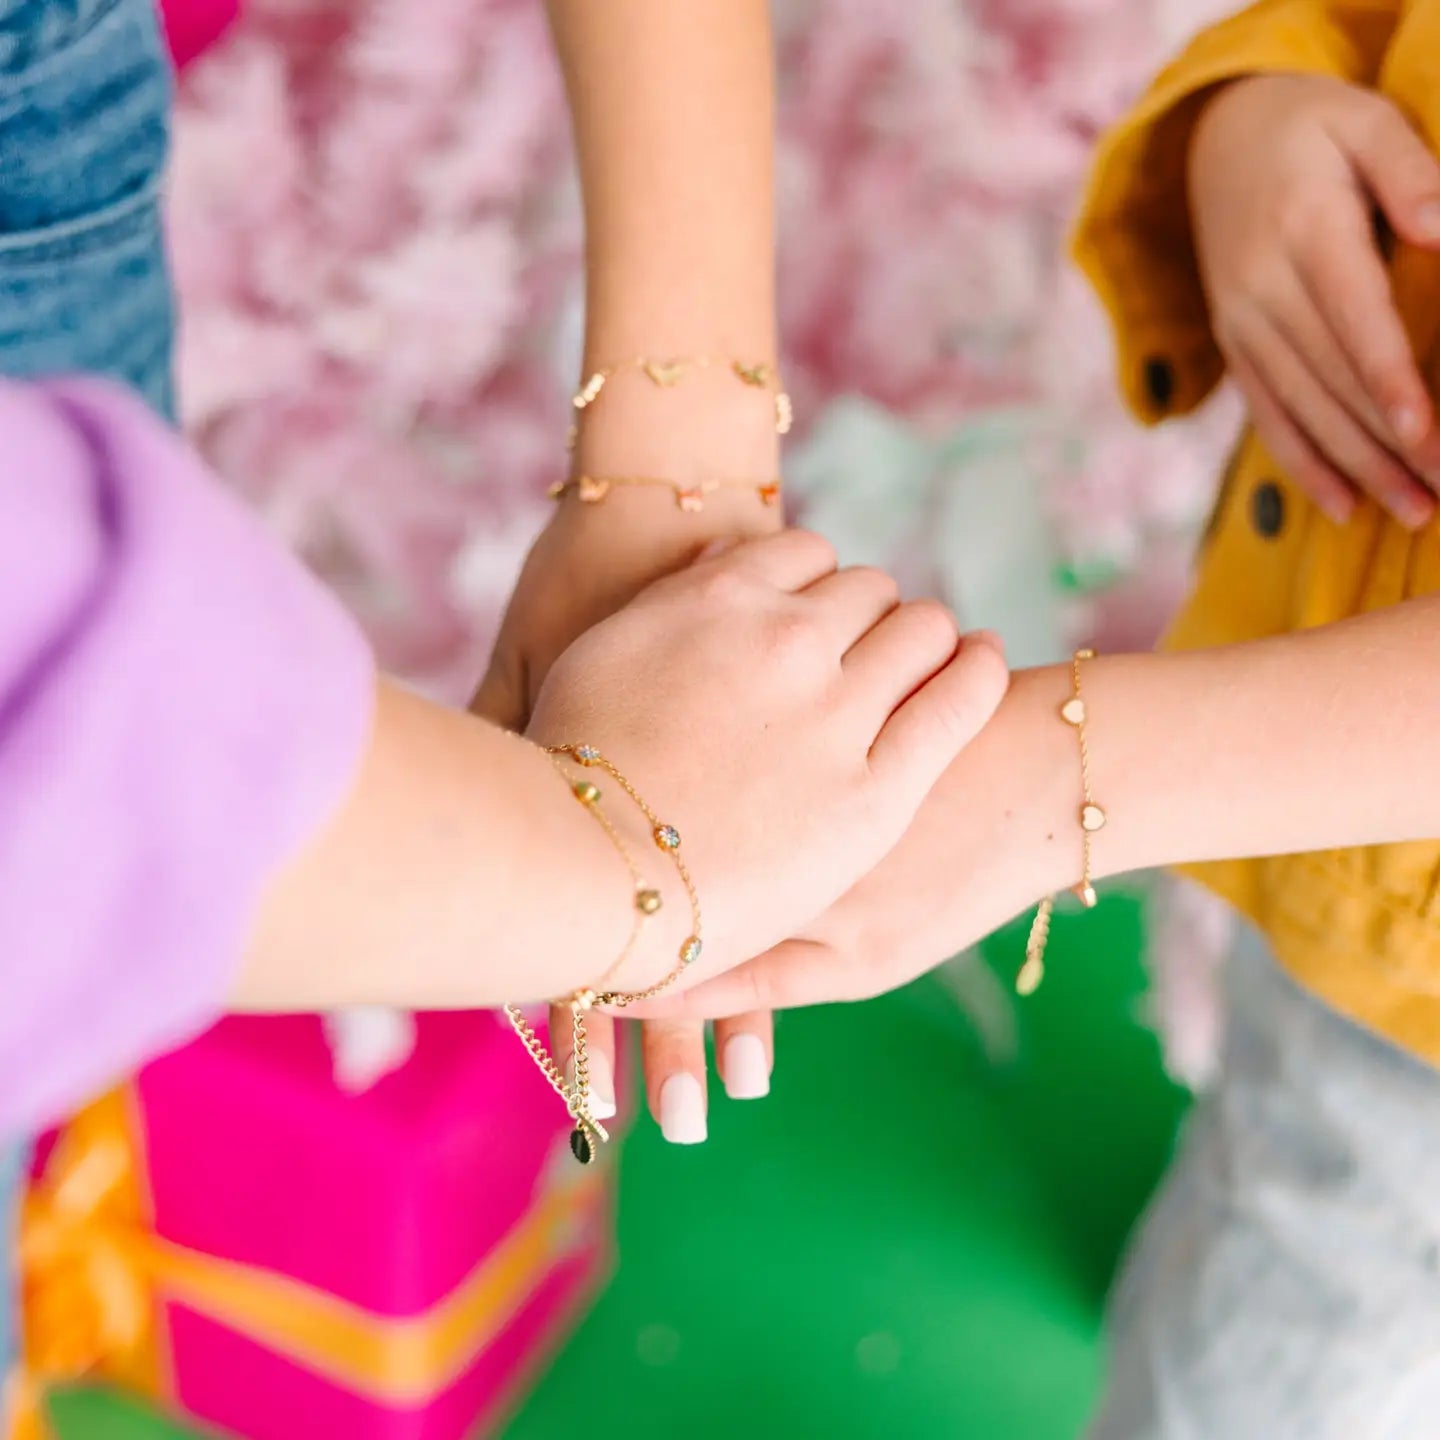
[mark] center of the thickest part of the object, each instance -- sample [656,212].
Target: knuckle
[874,578]
[794,632]
[932,623]
[726,584]
[818,548]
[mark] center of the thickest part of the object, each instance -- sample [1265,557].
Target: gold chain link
[1074,713]
[576,1095]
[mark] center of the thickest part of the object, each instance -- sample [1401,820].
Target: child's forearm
[673,121]
[1303,742]
[460,872]
[673,116]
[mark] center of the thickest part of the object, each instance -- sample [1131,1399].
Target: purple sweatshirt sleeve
[181,706]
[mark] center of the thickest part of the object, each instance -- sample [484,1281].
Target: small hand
[1285,175]
[993,838]
[587,563]
[823,708]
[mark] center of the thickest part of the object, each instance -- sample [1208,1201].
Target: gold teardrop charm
[1032,972]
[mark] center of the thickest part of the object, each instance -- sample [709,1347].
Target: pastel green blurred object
[904,1240]
[960,514]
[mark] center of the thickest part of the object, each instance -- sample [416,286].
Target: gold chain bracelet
[667,373]
[588,1131]
[1092,818]
[591,490]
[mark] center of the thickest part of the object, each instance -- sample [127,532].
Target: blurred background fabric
[376,236]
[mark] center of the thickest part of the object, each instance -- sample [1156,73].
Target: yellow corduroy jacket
[1360,927]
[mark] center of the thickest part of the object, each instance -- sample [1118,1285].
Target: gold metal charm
[1075,713]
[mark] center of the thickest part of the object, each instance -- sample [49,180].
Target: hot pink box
[453,1174]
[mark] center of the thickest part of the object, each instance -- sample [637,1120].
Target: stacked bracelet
[1092,818]
[588,1131]
[670,372]
[591,490]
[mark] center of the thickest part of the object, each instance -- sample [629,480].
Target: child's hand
[806,716]
[1286,172]
[588,562]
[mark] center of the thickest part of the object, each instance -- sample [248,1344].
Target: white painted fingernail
[602,1085]
[682,1110]
[745,1068]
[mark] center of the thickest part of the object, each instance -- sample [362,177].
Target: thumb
[502,696]
[1398,169]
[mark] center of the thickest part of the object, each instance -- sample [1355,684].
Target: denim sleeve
[85,91]
[84,114]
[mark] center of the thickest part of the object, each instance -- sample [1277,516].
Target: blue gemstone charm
[667,837]
[587,754]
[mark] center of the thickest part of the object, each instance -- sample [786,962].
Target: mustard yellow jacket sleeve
[1133,239]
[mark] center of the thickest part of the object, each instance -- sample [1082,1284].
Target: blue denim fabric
[12,1164]
[84,116]
[84,106]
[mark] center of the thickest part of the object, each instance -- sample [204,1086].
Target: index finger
[1346,278]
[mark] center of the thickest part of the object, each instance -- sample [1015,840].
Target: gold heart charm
[1072,712]
[757,375]
[557,490]
[592,491]
[666,372]
[770,493]
[691,501]
[1092,818]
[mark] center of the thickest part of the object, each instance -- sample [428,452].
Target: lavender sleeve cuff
[181,706]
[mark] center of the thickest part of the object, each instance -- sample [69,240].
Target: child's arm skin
[673,116]
[758,701]
[1299,297]
[1301,742]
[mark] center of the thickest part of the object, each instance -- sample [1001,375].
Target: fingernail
[1407,423]
[602,1084]
[1413,512]
[682,1110]
[1339,510]
[745,1068]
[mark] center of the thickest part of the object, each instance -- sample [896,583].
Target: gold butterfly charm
[666,373]
[770,493]
[691,501]
[590,490]
[757,375]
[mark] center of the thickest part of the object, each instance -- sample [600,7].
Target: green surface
[908,1240]
[97,1415]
